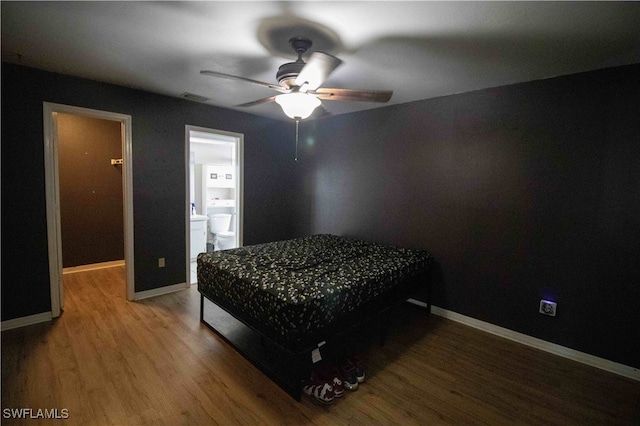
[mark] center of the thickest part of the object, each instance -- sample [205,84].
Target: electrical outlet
[161,262]
[548,308]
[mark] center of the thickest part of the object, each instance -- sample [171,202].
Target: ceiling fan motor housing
[288,72]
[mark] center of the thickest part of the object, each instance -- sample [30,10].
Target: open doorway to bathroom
[214,192]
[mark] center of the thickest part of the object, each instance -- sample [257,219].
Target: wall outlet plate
[548,308]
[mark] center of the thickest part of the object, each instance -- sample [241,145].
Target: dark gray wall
[521,193]
[158,126]
[91,214]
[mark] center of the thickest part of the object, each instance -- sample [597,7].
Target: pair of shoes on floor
[352,373]
[321,393]
[325,385]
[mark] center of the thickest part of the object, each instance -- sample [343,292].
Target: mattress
[298,290]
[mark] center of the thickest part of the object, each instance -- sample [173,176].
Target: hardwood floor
[108,361]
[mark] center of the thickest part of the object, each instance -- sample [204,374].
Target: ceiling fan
[299,83]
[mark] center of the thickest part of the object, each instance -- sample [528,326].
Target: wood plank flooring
[109,361]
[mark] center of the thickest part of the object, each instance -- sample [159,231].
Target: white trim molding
[92,266]
[52,193]
[238,141]
[572,354]
[25,321]
[139,295]
[47,316]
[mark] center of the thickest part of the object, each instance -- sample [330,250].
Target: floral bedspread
[296,287]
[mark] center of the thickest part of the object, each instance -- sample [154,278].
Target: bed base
[286,367]
[264,357]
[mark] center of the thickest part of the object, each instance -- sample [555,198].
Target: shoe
[329,374]
[360,374]
[335,378]
[349,376]
[321,393]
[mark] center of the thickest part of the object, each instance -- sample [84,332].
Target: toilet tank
[219,222]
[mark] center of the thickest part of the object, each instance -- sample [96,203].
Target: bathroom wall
[91,202]
[212,153]
[203,153]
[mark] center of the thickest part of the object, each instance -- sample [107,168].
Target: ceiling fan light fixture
[298,105]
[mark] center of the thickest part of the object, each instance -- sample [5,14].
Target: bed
[301,293]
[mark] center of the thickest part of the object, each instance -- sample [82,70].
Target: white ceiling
[417,49]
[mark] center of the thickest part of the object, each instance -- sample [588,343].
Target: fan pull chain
[297,122]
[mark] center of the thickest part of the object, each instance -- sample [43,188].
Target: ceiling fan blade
[316,70]
[248,80]
[258,102]
[353,95]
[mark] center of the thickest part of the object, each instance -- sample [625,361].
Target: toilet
[219,228]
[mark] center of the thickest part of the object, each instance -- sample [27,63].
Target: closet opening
[88,194]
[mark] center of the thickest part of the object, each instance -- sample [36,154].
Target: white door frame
[52,187]
[239,184]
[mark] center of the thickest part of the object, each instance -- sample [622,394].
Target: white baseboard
[46,316]
[139,295]
[93,266]
[594,361]
[25,321]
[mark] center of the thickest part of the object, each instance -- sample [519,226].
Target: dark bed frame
[289,365]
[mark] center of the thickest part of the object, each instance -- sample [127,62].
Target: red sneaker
[329,374]
[321,393]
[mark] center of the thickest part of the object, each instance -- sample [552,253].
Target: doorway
[214,182]
[52,115]
[90,189]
